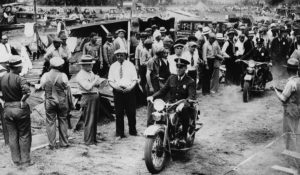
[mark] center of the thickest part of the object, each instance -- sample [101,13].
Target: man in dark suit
[280,48]
[179,87]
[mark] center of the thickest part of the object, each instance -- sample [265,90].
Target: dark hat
[181,61]
[15,61]
[109,35]
[144,35]
[154,26]
[148,42]
[192,38]
[120,30]
[148,30]
[179,43]
[57,40]
[292,63]
[260,40]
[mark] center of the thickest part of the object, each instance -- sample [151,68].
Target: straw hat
[56,61]
[15,61]
[86,59]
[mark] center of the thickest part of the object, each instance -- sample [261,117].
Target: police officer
[17,112]
[180,86]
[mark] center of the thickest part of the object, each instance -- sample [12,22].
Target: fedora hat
[87,59]
[219,36]
[162,29]
[206,30]
[292,63]
[120,30]
[15,61]
[56,61]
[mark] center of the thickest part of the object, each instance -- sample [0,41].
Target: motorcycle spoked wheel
[246,94]
[155,154]
[191,138]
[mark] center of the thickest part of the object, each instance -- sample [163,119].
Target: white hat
[206,30]
[4,37]
[86,59]
[199,26]
[219,36]
[120,51]
[15,61]
[56,61]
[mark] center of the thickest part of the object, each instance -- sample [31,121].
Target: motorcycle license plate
[248,77]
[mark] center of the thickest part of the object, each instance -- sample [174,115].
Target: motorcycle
[253,79]
[163,136]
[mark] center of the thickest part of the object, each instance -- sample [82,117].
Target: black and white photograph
[141,87]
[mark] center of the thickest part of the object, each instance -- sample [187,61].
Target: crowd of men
[161,63]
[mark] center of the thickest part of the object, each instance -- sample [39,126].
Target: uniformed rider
[180,86]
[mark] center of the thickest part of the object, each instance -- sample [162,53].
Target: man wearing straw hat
[120,42]
[88,85]
[290,98]
[122,77]
[55,83]
[17,112]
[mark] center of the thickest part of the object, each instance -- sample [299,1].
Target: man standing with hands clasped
[290,98]
[122,77]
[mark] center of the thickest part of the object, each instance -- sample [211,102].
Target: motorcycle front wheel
[155,154]
[246,91]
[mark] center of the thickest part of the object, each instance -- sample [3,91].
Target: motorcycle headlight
[251,63]
[159,104]
[157,116]
[250,70]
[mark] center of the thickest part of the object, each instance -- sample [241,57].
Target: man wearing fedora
[180,86]
[89,86]
[120,42]
[122,77]
[55,84]
[17,112]
[291,104]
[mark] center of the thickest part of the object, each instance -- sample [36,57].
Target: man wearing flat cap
[180,86]
[122,77]
[55,84]
[178,48]
[120,42]
[291,104]
[15,91]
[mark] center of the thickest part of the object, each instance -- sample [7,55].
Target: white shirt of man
[240,45]
[198,34]
[172,63]
[5,52]
[188,56]
[129,74]
[120,43]
[138,51]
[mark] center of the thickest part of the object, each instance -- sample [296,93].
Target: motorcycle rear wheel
[155,154]
[246,91]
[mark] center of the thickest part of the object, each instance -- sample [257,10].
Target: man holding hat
[291,104]
[120,42]
[122,77]
[5,49]
[88,85]
[55,84]
[17,112]
[108,50]
[180,86]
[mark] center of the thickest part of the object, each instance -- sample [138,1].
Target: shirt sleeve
[289,88]
[150,65]
[110,74]
[65,79]
[224,48]
[43,80]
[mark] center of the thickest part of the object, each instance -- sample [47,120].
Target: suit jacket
[178,89]
[279,49]
[248,45]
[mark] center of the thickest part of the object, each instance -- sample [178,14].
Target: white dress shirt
[5,52]
[129,73]
[172,63]
[188,56]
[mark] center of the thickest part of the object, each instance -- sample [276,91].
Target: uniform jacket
[178,89]
[280,48]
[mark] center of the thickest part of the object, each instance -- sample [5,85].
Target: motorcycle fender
[154,129]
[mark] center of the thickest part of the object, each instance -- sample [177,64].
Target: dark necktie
[192,61]
[121,71]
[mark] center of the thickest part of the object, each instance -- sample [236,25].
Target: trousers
[60,111]
[17,121]
[125,103]
[290,127]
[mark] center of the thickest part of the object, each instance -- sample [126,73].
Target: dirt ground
[233,131]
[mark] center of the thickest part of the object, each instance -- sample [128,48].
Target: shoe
[120,137]
[51,147]
[134,133]
[64,146]
[100,137]
[28,164]
[212,92]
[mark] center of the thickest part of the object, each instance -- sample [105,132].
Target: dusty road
[232,132]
